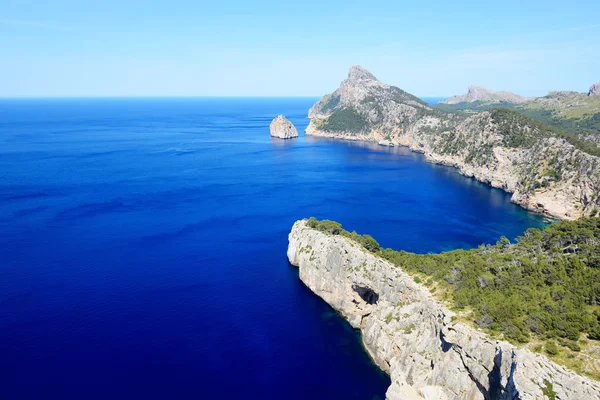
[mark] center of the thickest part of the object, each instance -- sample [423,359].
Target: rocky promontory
[545,172]
[478,93]
[594,89]
[412,336]
[282,128]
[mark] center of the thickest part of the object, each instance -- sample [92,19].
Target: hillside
[575,115]
[480,94]
[545,170]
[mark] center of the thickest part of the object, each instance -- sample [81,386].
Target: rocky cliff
[505,149]
[414,338]
[594,89]
[478,93]
[282,128]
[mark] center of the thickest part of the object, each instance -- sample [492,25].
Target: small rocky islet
[282,128]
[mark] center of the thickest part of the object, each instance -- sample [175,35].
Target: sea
[143,247]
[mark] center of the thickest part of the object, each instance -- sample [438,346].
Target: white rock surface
[411,336]
[594,89]
[282,128]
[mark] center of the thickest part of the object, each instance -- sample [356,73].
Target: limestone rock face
[594,89]
[544,173]
[411,335]
[282,128]
[478,93]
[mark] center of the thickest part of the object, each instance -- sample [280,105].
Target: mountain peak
[358,73]
[479,93]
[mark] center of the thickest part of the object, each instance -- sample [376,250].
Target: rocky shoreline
[544,173]
[414,338]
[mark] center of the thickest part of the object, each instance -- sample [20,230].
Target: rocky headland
[544,171]
[478,93]
[282,128]
[415,338]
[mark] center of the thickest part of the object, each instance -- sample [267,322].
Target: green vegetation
[473,107]
[518,130]
[588,123]
[551,173]
[545,286]
[388,318]
[572,126]
[551,348]
[344,120]
[548,390]
[325,225]
[335,228]
[329,102]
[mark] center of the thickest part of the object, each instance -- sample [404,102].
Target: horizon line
[25,97]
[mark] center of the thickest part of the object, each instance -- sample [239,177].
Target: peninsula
[438,324]
[545,170]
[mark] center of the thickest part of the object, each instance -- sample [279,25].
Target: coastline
[540,205]
[414,337]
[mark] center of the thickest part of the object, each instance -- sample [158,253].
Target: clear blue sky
[293,48]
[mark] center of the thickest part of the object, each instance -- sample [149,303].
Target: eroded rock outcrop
[282,128]
[503,148]
[412,336]
[478,93]
[594,89]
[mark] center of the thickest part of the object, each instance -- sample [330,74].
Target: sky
[294,48]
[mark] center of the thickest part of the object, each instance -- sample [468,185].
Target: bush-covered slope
[572,116]
[545,286]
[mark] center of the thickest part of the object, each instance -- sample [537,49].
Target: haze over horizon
[232,48]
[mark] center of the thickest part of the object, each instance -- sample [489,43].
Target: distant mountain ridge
[478,93]
[501,147]
[575,113]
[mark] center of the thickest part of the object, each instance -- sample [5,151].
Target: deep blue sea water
[143,247]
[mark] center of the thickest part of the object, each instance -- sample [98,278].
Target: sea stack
[594,89]
[282,128]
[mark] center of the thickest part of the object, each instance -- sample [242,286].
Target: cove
[144,246]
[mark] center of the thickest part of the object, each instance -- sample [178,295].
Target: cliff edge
[412,336]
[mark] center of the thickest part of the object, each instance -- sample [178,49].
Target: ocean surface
[143,247]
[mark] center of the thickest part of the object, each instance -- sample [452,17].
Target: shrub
[551,348]
[548,390]
[369,243]
[409,329]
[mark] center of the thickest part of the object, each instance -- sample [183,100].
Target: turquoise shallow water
[143,247]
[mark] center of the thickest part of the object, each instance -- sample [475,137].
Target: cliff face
[478,93]
[411,335]
[503,148]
